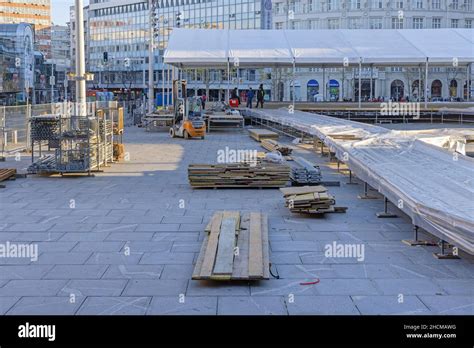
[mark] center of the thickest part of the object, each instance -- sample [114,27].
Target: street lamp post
[150,56]
[80,59]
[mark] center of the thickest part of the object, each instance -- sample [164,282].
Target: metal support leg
[385,213]
[443,255]
[415,241]
[350,179]
[366,193]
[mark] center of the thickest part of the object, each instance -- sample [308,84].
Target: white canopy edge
[190,48]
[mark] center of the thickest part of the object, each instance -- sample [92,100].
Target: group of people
[250,95]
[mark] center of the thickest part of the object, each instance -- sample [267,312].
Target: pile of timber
[235,247]
[272,145]
[305,173]
[310,200]
[260,134]
[238,175]
[6,174]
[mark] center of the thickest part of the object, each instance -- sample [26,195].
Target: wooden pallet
[260,134]
[6,174]
[235,247]
[238,175]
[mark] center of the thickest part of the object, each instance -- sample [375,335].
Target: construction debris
[310,200]
[305,173]
[272,145]
[235,247]
[260,134]
[250,175]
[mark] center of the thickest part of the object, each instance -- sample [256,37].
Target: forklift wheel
[186,134]
[172,133]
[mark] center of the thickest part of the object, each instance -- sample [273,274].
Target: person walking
[250,95]
[234,95]
[260,96]
[203,101]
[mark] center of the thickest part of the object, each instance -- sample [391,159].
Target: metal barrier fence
[14,125]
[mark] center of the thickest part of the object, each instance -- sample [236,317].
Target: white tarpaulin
[217,47]
[434,185]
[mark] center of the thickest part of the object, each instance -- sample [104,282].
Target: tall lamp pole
[80,59]
[151,60]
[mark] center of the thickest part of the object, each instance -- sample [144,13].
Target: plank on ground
[225,249]
[241,260]
[210,255]
[255,247]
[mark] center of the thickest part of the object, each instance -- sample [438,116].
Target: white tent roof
[213,47]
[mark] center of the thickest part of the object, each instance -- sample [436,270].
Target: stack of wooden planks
[6,174]
[272,145]
[235,247]
[238,175]
[260,134]
[310,200]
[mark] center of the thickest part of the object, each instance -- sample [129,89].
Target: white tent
[190,48]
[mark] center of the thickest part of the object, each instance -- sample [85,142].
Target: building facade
[389,82]
[35,12]
[117,34]
[17,63]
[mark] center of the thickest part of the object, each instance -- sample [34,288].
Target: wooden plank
[241,260]
[265,251]
[255,247]
[200,259]
[7,173]
[225,248]
[210,255]
[302,190]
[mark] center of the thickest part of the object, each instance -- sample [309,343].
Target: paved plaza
[125,241]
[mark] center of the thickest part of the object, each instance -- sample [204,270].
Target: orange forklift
[188,119]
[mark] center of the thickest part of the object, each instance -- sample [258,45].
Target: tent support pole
[343,85]
[426,83]
[371,70]
[324,83]
[468,82]
[294,83]
[360,82]
[228,80]
[419,83]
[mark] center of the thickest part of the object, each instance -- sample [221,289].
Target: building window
[333,23]
[313,24]
[454,23]
[354,23]
[468,24]
[399,4]
[279,25]
[417,23]
[419,4]
[397,23]
[354,4]
[455,4]
[333,5]
[375,23]
[436,23]
[468,5]
[377,4]
[436,4]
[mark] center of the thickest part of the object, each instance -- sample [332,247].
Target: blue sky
[60,10]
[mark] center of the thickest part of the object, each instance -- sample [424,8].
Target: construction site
[289,209]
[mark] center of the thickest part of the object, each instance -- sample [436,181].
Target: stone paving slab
[104,305]
[129,247]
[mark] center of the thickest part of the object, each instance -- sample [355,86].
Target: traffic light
[105,57]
